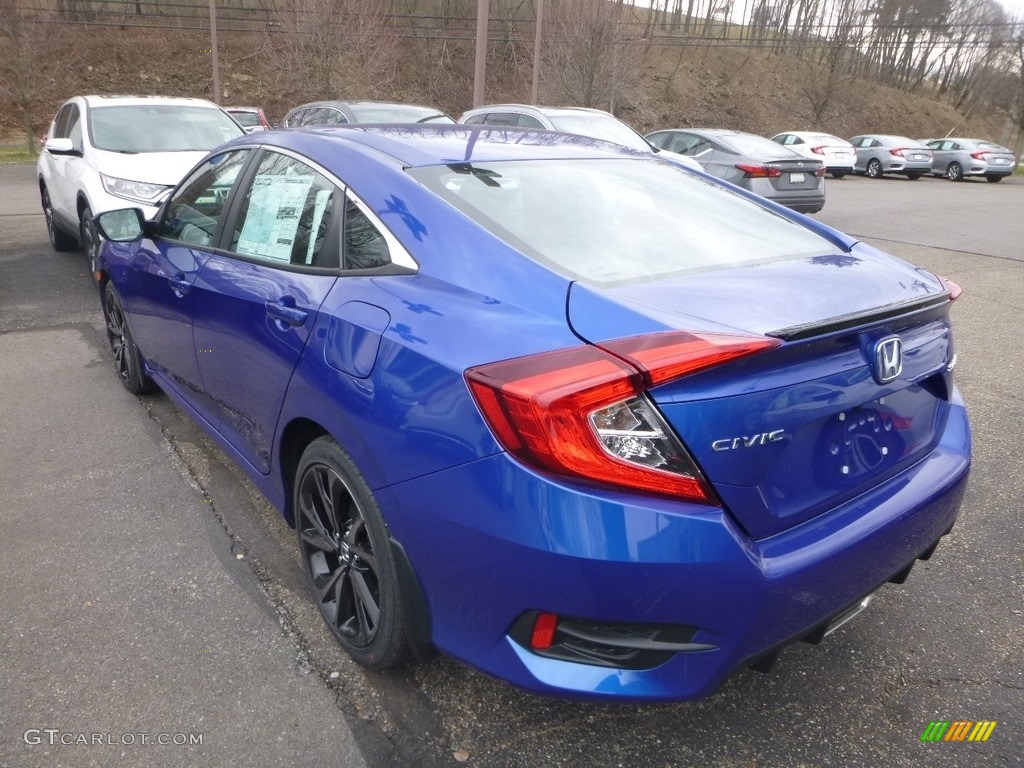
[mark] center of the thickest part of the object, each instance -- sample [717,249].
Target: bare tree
[343,48]
[23,40]
[589,58]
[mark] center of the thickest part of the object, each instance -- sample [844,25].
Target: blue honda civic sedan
[589,422]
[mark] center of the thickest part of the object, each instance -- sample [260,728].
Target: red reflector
[758,171]
[954,289]
[543,635]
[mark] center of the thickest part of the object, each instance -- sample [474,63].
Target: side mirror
[121,226]
[61,147]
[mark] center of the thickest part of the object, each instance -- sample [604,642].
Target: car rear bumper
[491,541]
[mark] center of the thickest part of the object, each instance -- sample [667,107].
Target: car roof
[98,100]
[538,109]
[414,145]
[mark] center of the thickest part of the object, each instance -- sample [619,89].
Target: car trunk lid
[787,434]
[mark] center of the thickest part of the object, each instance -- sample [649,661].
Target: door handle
[179,285]
[285,314]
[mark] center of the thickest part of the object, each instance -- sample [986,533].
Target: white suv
[109,152]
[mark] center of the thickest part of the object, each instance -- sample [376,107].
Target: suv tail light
[582,412]
[758,171]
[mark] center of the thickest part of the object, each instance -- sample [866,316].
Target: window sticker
[275,205]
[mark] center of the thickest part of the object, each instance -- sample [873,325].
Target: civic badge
[888,359]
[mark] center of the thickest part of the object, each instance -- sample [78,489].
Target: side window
[683,143]
[61,122]
[475,120]
[364,245]
[502,118]
[953,146]
[295,119]
[794,140]
[529,121]
[75,126]
[334,117]
[285,216]
[659,140]
[197,206]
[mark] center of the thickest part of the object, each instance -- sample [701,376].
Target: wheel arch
[295,437]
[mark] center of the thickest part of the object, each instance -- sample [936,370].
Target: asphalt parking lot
[149,589]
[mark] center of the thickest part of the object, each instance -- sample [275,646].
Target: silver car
[956,159]
[878,155]
[582,121]
[752,162]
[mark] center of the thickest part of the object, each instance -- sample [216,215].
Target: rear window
[610,221]
[756,146]
[396,113]
[246,119]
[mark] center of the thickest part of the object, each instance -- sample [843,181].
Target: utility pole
[536,53]
[480,70]
[213,52]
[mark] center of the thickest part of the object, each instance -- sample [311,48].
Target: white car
[582,121]
[838,154]
[108,152]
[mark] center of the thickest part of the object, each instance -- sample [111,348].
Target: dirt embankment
[693,86]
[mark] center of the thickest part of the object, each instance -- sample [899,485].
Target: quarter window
[195,211]
[285,216]
[365,245]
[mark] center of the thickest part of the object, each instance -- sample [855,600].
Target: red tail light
[581,412]
[263,120]
[898,152]
[820,171]
[818,150]
[758,171]
[980,154]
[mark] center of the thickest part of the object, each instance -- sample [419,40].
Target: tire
[955,172]
[347,554]
[874,169]
[994,178]
[89,238]
[61,241]
[127,360]
[838,174]
[913,176]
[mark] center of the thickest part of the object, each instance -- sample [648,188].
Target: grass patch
[19,154]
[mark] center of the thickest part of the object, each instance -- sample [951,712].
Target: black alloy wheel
[955,172]
[347,553]
[874,170]
[61,241]
[127,361]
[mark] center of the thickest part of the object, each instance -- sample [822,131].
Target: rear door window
[286,215]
